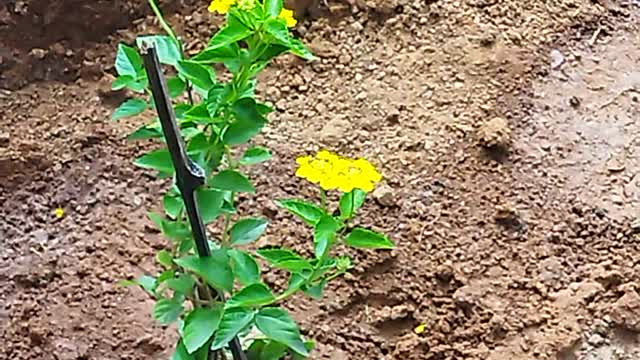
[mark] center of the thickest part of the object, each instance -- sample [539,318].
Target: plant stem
[167,28]
[323,199]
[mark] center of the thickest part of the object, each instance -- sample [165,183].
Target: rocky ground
[505,131]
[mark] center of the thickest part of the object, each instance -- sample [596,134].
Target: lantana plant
[218,119]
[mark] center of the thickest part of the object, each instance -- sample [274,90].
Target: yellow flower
[287,15]
[419,329]
[221,6]
[331,171]
[59,213]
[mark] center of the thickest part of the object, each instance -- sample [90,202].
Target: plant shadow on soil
[406,89]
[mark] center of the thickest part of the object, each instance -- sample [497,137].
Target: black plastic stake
[189,175]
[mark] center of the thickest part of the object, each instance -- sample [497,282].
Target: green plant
[217,118]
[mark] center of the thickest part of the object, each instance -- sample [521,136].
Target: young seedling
[213,288]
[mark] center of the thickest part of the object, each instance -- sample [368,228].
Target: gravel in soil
[520,253]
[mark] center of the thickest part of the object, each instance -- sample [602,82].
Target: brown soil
[529,253]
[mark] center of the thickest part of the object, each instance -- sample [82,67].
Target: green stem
[167,28]
[323,199]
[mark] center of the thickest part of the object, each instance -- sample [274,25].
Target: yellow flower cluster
[223,6]
[332,171]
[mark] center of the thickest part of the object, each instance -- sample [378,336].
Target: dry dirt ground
[526,250]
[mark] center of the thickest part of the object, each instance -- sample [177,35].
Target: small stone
[557,59]
[334,129]
[384,195]
[635,225]
[495,133]
[595,340]
[38,53]
[626,311]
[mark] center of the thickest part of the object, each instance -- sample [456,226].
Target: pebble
[384,195]
[595,340]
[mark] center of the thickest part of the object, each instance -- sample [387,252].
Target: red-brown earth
[525,250]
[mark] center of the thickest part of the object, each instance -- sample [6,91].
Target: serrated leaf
[324,235]
[245,267]
[248,122]
[176,86]
[121,82]
[199,326]
[277,255]
[210,204]
[131,107]
[293,265]
[273,7]
[251,296]
[277,325]
[167,311]
[368,239]
[352,201]
[300,49]
[233,32]
[173,205]
[200,75]
[128,61]
[248,230]
[159,160]
[255,155]
[261,349]
[168,51]
[164,258]
[182,284]
[233,320]
[215,269]
[308,212]
[279,31]
[217,54]
[231,180]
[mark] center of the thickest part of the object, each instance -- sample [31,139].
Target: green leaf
[245,267]
[324,235]
[279,31]
[128,61]
[233,320]
[273,7]
[310,345]
[266,350]
[148,283]
[200,75]
[277,325]
[248,122]
[145,132]
[232,33]
[248,230]
[176,86]
[316,291]
[232,180]
[351,202]
[173,205]
[217,54]
[159,160]
[131,107]
[181,353]
[276,255]
[210,203]
[200,325]
[166,275]
[293,265]
[251,296]
[167,311]
[168,51]
[215,269]
[182,284]
[255,155]
[308,212]
[121,82]
[368,239]
[164,258]
[300,49]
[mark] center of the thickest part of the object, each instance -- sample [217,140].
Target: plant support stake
[189,175]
